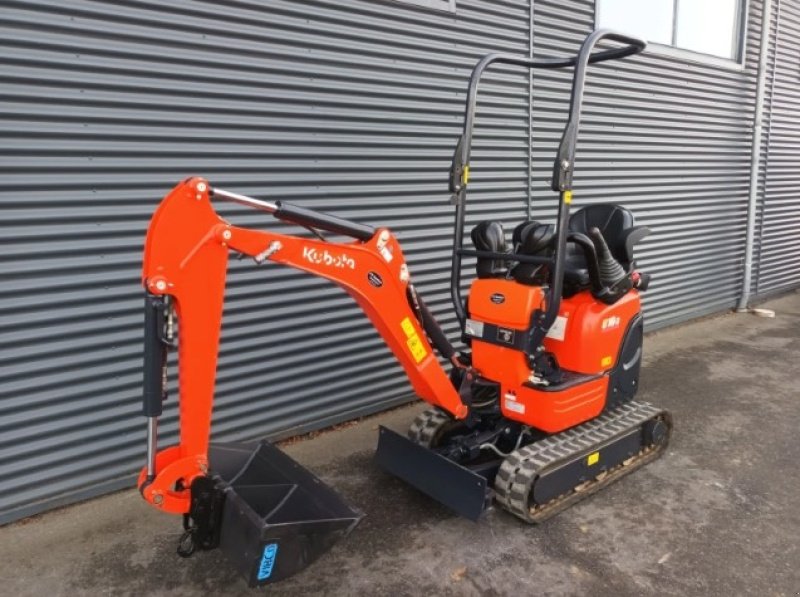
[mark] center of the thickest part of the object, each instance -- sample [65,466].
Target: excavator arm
[185,263]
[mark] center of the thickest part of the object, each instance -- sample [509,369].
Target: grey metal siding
[350,106]
[666,137]
[779,234]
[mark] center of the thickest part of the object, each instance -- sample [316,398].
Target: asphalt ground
[718,514]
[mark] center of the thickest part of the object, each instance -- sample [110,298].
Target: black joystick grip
[611,271]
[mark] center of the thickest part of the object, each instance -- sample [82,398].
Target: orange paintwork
[589,346]
[556,411]
[186,257]
[519,301]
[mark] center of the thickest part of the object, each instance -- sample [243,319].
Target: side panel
[592,332]
[586,339]
[623,380]
[504,302]
[556,411]
[508,366]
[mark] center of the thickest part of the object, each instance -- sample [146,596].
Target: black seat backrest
[535,239]
[614,221]
[489,236]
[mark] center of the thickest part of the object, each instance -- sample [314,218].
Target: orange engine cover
[585,339]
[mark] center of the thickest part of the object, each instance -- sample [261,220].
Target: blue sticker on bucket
[267,561]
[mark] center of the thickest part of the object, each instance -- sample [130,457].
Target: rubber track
[426,426]
[521,469]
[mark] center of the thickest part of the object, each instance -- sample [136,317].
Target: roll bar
[563,165]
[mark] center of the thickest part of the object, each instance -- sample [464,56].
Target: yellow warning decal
[465,175]
[593,458]
[408,327]
[606,361]
[567,197]
[417,348]
[415,345]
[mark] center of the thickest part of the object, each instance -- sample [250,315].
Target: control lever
[611,272]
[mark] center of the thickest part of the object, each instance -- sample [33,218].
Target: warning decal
[415,345]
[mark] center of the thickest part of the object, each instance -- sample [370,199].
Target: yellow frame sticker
[567,197]
[408,327]
[415,345]
[593,458]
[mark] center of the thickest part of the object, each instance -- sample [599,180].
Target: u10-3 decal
[610,323]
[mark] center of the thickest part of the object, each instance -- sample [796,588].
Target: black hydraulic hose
[432,328]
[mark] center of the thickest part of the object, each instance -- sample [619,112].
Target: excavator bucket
[277,517]
[463,490]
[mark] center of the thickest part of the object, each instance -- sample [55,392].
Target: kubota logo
[325,258]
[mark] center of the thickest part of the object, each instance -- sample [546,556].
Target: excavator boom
[186,257]
[270,516]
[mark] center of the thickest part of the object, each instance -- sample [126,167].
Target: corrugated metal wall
[666,137]
[350,106]
[779,234]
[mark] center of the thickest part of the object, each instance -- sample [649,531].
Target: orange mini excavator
[535,414]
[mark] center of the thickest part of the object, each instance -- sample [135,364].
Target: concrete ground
[719,514]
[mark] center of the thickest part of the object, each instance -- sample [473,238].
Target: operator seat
[617,225]
[490,236]
[534,239]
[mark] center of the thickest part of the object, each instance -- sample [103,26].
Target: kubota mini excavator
[536,414]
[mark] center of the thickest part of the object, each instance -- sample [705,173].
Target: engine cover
[585,339]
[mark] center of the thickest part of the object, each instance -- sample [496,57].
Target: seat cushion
[576,274]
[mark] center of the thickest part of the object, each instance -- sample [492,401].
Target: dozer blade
[449,483]
[277,517]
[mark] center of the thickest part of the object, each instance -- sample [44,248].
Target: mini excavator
[537,413]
